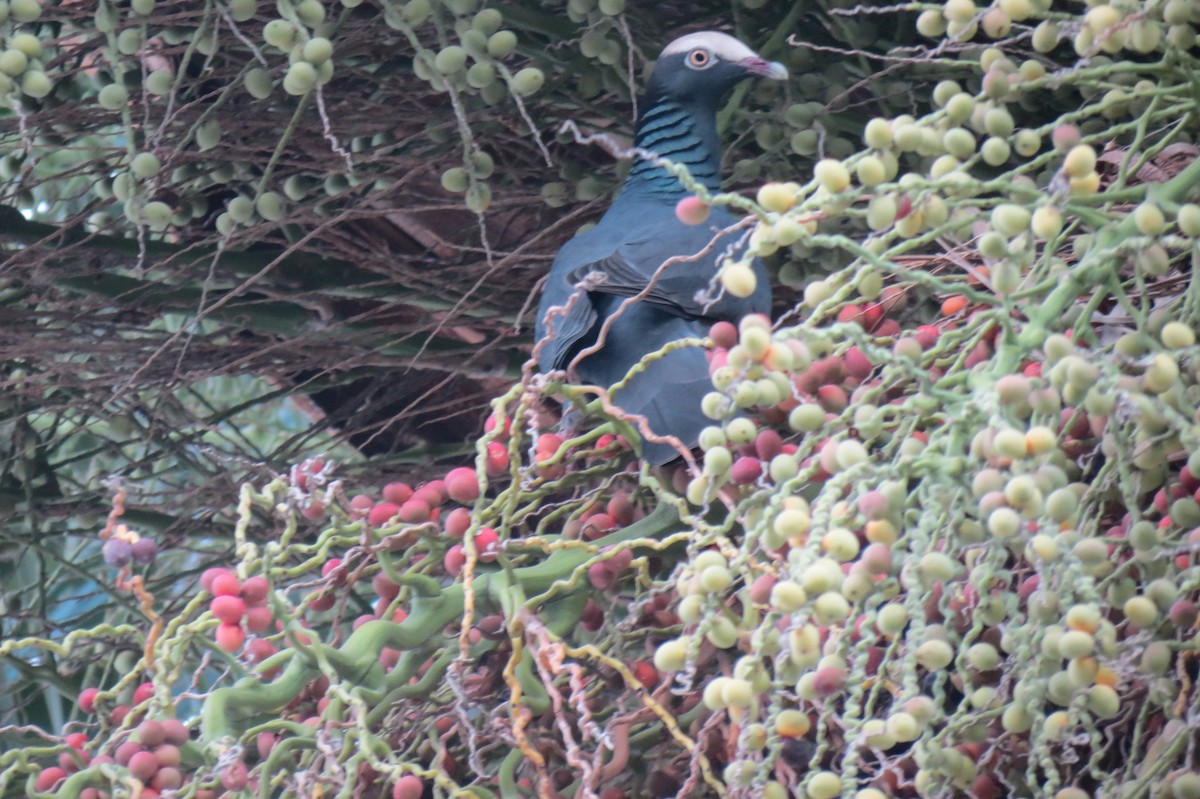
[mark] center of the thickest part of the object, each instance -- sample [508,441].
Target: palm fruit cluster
[940,538]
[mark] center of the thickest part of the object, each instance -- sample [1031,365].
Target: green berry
[501,43]
[144,165]
[450,59]
[1188,218]
[317,50]
[528,81]
[300,79]
[159,82]
[270,206]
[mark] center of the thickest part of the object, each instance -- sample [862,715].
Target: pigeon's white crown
[722,45]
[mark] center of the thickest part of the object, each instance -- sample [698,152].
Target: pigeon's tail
[669,390]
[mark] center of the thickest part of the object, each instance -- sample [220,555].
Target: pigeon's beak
[763,68]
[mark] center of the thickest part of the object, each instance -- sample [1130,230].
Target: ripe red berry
[259,650]
[409,786]
[691,210]
[360,505]
[151,733]
[235,776]
[125,751]
[745,470]
[168,754]
[143,692]
[457,522]
[416,510]
[723,334]
[206,579]
[168,778]
[143,765]
[382,513]
[254,590]
[601,576]
[487,542]
[432,493]
[230,637]
[397,493]
[49,777]
[229,609]
[226,585]
[462,485]
[258,620]
[454,560]
[87,699]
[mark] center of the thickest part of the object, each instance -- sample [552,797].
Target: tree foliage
[942,537]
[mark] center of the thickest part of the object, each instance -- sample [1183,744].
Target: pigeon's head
[700,68]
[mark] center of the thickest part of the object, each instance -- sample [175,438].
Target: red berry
[207,577]
[851,313]
[225,585]
[397,493]
[235,776]
[49,777]
[457,522]
[454,560]
[382,513]
[259,650]
[258,620]
[767,444]
[855,364]
[927,336]
[143,692]
[168,778]
[691,210]
[265,742]
[462,485]
[323,601]
[416,510]
[547,445]
[118,714]
[229,609]
[746,470]
[151,733]
[497,459]
[601,576]
[254,590]
[723,334]
[360,505]
[230,637]
[645,673]
[621,510]
[168,754]
[432,493]
[87,699]
[75,740]
[143,765]
[592,618]
[127,750]
[384,587]
[487,542]
[73,759]
[409,786]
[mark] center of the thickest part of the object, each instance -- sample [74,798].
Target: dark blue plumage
[597,271]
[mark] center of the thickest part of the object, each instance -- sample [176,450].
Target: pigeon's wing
[687,285]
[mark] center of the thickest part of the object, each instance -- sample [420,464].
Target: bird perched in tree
[641,249]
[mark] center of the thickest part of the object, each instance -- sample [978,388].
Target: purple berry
[144,550]
[117,552]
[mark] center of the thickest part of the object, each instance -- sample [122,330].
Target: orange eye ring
[699,58]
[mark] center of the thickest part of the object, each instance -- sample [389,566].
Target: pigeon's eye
[699,58]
